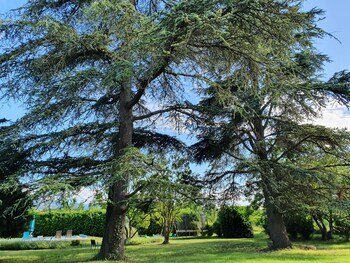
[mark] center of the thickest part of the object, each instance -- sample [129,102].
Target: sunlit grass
[195,250]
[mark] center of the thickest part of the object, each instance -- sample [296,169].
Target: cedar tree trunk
[113,244]
[276,227]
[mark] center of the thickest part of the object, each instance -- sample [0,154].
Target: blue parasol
[32,225]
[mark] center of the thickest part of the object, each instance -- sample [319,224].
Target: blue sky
[337,22]
[6,5]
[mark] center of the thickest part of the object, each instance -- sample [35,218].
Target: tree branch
[157,112]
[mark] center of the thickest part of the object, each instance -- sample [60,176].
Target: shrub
[299,225]
[18,244]
[343,228]
[208,230]
[217,228]
[231,224]
[154,228]
[75,243]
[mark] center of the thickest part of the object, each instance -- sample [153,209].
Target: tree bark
[321,226]
[113,244]
[276,227]
[275,223]
[166,232]
[331,227]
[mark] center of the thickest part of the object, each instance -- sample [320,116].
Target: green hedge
[89,222]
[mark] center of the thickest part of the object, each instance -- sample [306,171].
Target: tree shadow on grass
[224,251]
[190,250]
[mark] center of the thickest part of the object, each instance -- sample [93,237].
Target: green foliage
[328,197]
[217,228]
[256,216]
[299,225]
[72,59]
[343,228]
[14,204]
[263,126]
[245,211]
[15,199]
[187,221]
[75,243]
[90,222]
[137,219]
[85,69]
[232,224]
[211,215]
[154,228]
[170,193]
[262,222]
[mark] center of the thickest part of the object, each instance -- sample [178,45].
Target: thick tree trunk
[276,228]
[114,235]
[275,223]
[166,232]
[113,244]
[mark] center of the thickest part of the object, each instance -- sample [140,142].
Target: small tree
[137,219]
[169,212]
[189,220]
[171,193]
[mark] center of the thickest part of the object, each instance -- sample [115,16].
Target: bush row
[90,222]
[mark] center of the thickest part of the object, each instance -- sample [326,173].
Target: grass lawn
[194,250]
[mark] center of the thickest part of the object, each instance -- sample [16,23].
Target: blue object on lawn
[32,225]
[26,235]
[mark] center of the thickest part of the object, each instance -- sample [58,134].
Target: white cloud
[334,116]
[85,195]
